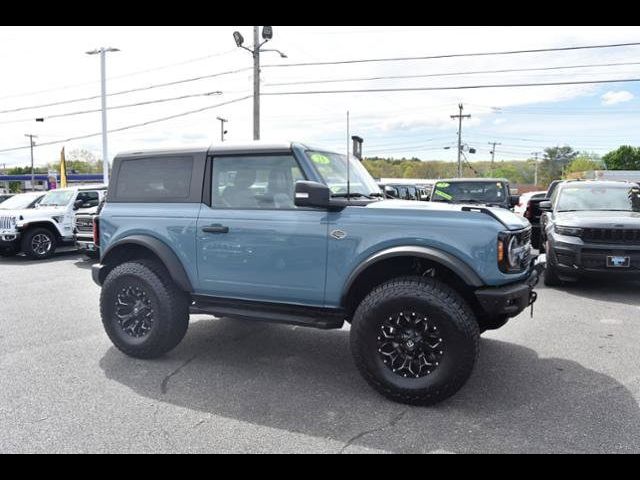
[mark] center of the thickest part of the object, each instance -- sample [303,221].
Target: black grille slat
[611,235]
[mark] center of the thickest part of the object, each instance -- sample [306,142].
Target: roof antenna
[348,158]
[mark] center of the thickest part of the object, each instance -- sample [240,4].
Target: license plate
[618,262]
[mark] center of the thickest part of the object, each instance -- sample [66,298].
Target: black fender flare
[460,268]
[162,251]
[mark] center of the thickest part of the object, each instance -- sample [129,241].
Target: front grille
[611,235]
[84,224]
[6,223]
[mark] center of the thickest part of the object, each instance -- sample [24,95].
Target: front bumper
[572,258]
[512,299]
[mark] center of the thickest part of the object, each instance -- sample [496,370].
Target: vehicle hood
[506,217]
[599,219]
[43,212]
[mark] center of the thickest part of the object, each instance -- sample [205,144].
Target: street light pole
[256,83]
[222,131]
[103,83]
[493,153]
[267,34]
[33,173]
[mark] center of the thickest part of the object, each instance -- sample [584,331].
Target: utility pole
[535,175]
[222,130]
[102,51]
[33,173]
[460,116]
[493,153]
[267,34]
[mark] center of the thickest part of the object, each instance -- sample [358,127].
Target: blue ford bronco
[291,234]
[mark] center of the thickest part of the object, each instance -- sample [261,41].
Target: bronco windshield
[470,192]
[18,202]
[333,169]
[57,198]
[596,198]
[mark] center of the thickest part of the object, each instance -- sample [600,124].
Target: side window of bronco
[254,181]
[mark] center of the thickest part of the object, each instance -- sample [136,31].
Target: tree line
[556,163]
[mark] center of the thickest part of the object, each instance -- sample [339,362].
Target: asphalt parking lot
[567,380]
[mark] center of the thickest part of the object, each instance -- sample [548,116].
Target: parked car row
[37,223]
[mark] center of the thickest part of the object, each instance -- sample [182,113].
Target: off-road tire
[170,309]
[445,307]
[28,247]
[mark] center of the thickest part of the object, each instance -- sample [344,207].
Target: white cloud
[621,96]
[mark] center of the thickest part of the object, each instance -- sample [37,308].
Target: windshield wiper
[350,195]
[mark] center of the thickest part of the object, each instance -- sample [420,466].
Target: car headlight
[569,231]
[514,251]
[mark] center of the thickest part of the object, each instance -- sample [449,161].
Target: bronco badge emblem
[338,234]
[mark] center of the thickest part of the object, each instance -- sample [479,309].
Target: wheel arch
[148,247]
[49,225]
[396,261]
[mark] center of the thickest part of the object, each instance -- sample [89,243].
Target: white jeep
[39,231]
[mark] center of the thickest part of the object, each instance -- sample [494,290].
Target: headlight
[514,251]
[569,231]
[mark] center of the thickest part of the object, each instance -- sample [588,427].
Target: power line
[117,107]
[448,74]
[454,55]
[125,75]
[123,92]
[458,87]
[129,127]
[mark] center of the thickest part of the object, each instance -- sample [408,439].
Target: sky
[44,65]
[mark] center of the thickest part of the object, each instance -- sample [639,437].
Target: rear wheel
[415,340]
[144,314]
[39,243]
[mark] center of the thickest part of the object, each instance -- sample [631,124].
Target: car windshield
[470,192]
[333,169]
[57,198]
[597,198]
[18,202]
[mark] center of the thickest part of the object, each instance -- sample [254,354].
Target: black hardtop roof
[230,148]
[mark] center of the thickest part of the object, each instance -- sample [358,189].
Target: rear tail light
[96,231]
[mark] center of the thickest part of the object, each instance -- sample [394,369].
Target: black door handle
[216,229]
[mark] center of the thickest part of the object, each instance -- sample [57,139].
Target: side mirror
[77,205]
[546,206]
[312,194]
[514,200]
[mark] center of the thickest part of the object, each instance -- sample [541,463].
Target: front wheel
[39,243]
[144,314]
[415,340]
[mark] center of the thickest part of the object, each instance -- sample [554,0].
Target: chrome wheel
[134,312]
[410,345]
[41,244]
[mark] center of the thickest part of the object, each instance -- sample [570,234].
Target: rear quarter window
[155,179]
